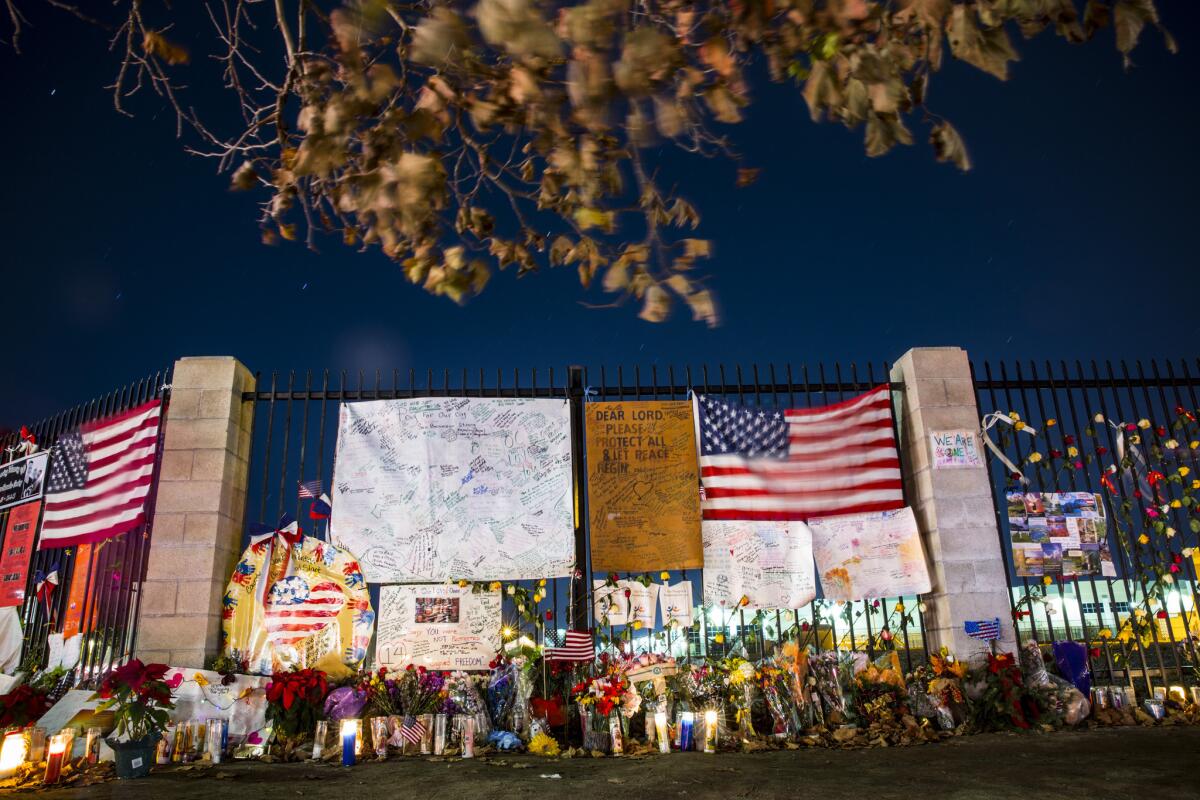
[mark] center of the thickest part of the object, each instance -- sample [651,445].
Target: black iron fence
[295,430]
[1127,433]
[108,582]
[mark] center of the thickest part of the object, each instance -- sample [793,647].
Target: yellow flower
[637,624]
[1176,504]
[1135,439]
[1015,416]
[1196,484]
[1139,612]
[1168,577]
[463,584]
[1171,444]
[1050,423]
[1018,426]
[1170,533]
[719,638]
[1104,633]
[664,575]
[899,608]
[1034,457]
[1047,580]
[1098,418]
[1194,443]
[1073,451]
[543,745]
[542,582]
[1143,539]
[495,587]
[1187,552]
[745,601]
[1143,423]
[1184,471]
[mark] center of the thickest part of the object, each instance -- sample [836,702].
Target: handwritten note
[643,486]
[437,626]
[625,603]
[955,449]
[878,554]
[769,564]
[447,488]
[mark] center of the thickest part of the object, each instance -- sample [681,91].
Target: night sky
[1074,236]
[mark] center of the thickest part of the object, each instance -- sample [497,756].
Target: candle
[426,734]
[439,733]
[178,743]
[1195,690]
[54,760]
[162,752]
[91,748]
[12,754]
[358,737]
[468,738]
[686,719]
[1177,693]
[1160,693]
[319,739]
[217,734]
[379,736]
[37,744]
[69,747]
[616,740]
[350,729]
[660,729]
[710,730]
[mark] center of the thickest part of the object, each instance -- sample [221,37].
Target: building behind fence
[236,445]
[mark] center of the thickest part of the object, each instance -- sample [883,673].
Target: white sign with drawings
[770,564]
[437,626]
[444,488]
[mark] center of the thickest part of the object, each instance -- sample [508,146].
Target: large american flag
[100,477]
[798,463]
[578,646]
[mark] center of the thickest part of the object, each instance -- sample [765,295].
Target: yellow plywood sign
[643,486]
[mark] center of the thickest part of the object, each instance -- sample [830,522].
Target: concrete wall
[197,533]
[954,507]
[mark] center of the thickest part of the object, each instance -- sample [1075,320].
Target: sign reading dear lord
[643,486]
[955,449]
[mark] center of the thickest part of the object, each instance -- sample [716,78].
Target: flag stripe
[762,464]
[101,477]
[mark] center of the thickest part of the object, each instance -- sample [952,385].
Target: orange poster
[643,486]
[78,597]
[18,548]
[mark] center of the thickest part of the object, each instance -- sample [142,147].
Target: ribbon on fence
[989,422]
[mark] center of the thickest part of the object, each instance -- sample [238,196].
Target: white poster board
[199,694]
[445,488]
[769,563]
[69,706]
[625,603]
[957,449]
[878,554]
[437,626]
[675,604]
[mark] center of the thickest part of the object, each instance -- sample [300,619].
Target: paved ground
[1110,763]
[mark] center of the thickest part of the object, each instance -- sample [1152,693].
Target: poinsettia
[295,700]
[140,699]
[22,707]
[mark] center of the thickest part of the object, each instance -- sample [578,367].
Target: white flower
[1098,418]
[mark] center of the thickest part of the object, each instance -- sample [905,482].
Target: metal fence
[110,580]
[295,431]
[1076,411]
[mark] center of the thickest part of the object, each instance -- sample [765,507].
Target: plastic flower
[543,745]
[1098,418]
[1168,578]
[1187,552]
[1034,457]
[1170,533]
[1196,484]
[637,624]
[899,608]
[542,582]
[1143,423]
[511,590]
[1018,426]
[1015,416]
[1194,443]
[1176,504]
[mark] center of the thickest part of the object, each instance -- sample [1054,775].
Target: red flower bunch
[22,707]
[141,699]
[295,700]
[1006,700]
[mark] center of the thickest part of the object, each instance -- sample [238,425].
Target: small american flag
[798,463]
[311,489]
[986,629]
[577,646]
[412,729]
[100,477]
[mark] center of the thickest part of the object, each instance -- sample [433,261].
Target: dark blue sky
[1074,236]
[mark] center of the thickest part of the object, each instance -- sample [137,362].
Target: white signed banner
[625,603]
[437,626]
[456,488]
[769,564]
[877,554]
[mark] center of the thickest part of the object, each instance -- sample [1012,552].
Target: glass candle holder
[686,723]
[380,732]
[440,725]
[710,730]
[616,739]
[217,735]
[37,743]
[319,737]
[468,737]
[54,758]
[91,750]
[660,731]
[350,729]
[12,754]
[426,734]
[69,738]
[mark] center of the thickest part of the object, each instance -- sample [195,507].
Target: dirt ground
[1107,763]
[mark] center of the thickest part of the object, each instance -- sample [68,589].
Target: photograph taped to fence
[1059,534]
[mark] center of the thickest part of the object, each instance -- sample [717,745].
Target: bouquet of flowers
[421,691]
[740,680]
[384,693]
[793,660]
[827,687]
[23,706]
[773,682]
[294,704]
[1006,701]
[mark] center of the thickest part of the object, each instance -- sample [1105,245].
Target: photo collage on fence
[1059,534]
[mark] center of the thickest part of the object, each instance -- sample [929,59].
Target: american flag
[310,489]
[986,629]
[577,646]
[798,463]
[294,611]
[100,477]
[412,729]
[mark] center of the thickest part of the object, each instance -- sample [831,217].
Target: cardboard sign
[955,449]
[643,486]
[437,626]
[19,535]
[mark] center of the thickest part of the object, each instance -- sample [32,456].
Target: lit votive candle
[660,731]
[349,741]
[12,754]
[54,759]
[710,730]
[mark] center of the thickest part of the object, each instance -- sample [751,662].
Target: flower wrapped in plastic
[826,686]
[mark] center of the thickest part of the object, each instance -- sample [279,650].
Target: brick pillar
[197,533]
[954,507]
